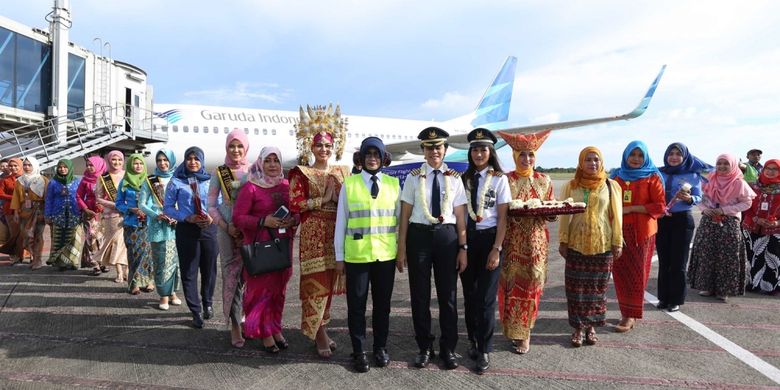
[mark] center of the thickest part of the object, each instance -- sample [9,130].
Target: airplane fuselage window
[216,130]
[265,131]
[165,129]
[205,129]
[195,129]
[185,129]
[246,130]
[273,131]
[291,132]
[175,129]
[257,131]
[226,130]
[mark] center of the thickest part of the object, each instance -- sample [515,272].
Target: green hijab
[65,180]
[132,179]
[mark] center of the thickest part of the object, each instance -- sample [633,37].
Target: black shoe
[272,349]
[473,353]
[208,313]
[282,344]
[449,359]
[197,321]
[360,362]
[381,358]
[673,308]
[424,357]
[661,305]
[483,363]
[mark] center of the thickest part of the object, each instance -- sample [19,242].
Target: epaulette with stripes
[454,173]
[497,173]
[415,172]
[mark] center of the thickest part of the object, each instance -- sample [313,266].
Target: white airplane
[206,126]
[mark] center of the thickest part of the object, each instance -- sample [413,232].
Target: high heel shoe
[576,338]
[590,337]
[625,325]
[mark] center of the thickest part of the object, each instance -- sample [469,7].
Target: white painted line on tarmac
[735,350]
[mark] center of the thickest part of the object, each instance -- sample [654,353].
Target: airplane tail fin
[495,102]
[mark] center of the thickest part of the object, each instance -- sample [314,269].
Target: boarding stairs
[123,127]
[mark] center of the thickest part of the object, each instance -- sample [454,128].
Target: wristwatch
[465,247]
[498,248]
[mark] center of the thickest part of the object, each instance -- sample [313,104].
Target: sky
[432,60]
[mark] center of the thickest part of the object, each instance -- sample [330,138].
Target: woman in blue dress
[128,199]
[160,230]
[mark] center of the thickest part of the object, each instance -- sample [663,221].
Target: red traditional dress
[524,269]
[319,281]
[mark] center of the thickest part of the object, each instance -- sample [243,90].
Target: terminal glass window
[75,85]
[25,72]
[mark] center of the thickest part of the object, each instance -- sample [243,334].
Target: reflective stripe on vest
[371,223]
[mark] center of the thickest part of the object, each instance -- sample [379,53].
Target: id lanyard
[627,193]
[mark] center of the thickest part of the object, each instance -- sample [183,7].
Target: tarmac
[62,330]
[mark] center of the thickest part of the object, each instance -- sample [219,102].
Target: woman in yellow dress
[314,191]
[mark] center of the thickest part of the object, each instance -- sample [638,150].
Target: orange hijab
[585,180]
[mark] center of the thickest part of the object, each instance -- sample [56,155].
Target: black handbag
[266,256]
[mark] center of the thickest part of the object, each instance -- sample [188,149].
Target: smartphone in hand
[282,212]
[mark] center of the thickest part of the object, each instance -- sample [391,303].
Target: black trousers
[673,247]
[381,276]
[480,289]
[433,248]
[197,249]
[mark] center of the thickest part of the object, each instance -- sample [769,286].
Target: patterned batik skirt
[718,258]
[631,271]
[93,240]
[141,271]
[586,278]
[763,253]
[166,267]
[66,245]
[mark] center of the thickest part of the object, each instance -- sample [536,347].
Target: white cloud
[242,94]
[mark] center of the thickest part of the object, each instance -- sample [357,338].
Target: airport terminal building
[59,99]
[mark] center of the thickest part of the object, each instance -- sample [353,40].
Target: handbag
[266,256]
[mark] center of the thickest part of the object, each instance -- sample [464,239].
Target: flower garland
[480,199]
[447,206]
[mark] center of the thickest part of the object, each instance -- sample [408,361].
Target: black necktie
[472,224]
[435,195]
[374,187]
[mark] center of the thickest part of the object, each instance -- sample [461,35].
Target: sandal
[96,272]
[270,349]
[522,347]
[135,291]
[576,338]
[282,344]
[103,269]
[590,337]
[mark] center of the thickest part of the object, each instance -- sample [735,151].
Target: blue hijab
[647,169]
[183,174]
[171,163]
[690,163]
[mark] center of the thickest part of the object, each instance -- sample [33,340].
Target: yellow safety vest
[371,223]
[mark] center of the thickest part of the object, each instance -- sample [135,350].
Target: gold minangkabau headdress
[316,120]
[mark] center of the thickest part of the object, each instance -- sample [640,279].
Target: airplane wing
[459,141]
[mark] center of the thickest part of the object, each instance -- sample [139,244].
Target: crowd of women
[157,230]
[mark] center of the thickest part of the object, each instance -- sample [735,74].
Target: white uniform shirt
[457,194]
[342,212]
[497,194]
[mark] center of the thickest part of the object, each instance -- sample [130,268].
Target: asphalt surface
[68,329]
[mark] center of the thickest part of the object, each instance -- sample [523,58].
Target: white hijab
[33,181]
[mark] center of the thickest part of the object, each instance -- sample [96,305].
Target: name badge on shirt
[627,196]
[764,206]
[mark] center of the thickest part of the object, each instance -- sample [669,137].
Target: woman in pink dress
[257,201]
